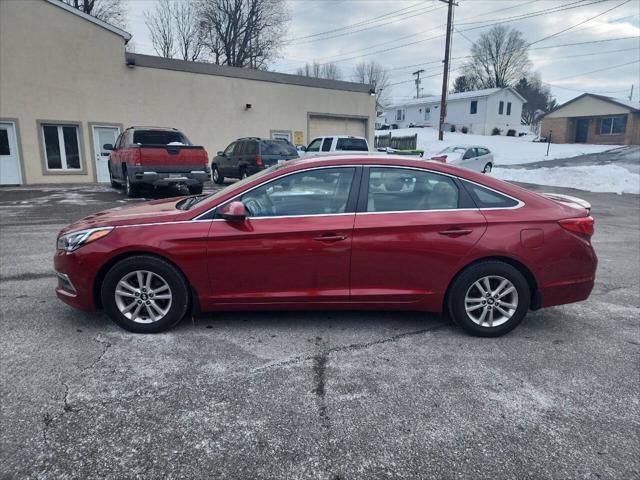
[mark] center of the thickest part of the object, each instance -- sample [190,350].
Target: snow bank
[506,150]
[593,178]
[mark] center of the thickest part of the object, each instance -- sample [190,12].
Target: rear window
[159,137]
[352,144]
[486,198]
[277,147]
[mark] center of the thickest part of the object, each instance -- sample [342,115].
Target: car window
[158,137]
[312,192]
[250,147]
[119,143]
[277,147]
[454,150]
[486,198]
[352,144]
[240,148]
[326,144]
[470,153]
[482,151]
[229,150]
[314,146]
[403,189]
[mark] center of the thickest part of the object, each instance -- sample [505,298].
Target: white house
[480,111]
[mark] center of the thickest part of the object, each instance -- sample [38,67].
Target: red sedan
[349,232]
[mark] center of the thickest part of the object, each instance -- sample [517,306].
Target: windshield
[454,150]
[277,147]
[190,202]
[159,137]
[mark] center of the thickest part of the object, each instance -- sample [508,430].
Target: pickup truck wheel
[216,175]
[114,184]
[130,190]
[487,168]
[195,189]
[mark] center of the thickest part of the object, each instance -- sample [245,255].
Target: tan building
[595,119]
[67,87]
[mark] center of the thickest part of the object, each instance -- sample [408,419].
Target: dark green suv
[247,156]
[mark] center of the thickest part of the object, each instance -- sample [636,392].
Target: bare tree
[110,11]
[160,23]
[330,70]
[374,74]
[244,33]
[189,37]
[498,59]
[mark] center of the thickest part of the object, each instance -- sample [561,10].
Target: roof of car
[141,127]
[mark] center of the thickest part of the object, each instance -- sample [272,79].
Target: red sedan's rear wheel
[489,299]
[145,294]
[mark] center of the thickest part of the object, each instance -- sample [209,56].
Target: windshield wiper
[189,202]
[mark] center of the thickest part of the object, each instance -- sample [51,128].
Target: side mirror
[107,146]
[301,148]
[233,212]
[220,154]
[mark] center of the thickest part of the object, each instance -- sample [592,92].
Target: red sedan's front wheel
[489,299]
[145,294]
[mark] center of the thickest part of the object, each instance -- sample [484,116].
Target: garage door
[320,126]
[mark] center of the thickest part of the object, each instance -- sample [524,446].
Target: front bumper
[75,281]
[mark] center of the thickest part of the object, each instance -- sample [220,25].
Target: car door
[314,147]
[484,157]
[226,162]
[294,245]
[412,229]
[469,159]
[326,144]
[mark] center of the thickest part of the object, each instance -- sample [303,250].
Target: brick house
[597,119]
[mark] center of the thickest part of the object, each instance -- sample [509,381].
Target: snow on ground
[593,178]
[506,150]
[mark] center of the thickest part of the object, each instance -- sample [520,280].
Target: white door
[102,136]
[10,173]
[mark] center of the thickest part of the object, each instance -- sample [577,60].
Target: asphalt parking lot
[314,395]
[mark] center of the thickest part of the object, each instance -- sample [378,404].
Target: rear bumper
[166,176]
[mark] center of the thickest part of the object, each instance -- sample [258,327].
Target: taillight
[582,225]
[259,161]
[441,158]
[137,162]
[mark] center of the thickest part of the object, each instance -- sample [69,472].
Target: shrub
[496,131]
[452,128]
[464,130]
[511,132]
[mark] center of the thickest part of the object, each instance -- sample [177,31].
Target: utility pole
[418,82]
[445,75]
[631,94]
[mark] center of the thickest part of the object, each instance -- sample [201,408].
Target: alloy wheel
[143,296]
[491,301]
[216,175]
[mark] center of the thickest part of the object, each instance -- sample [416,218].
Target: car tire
[216,176]
[164,278]
[487,168]
[484,316]
[113,183]
[130,189]
[195,189]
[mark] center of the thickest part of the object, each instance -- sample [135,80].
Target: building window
[474,107]
[508,108]
[613,125]
[62,147]
[427,113]
[501,108]
[399,115]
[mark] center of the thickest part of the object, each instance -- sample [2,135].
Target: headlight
[73,241]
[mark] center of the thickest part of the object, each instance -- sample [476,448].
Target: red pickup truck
[156,157]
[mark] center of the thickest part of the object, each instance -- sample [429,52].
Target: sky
[406,36]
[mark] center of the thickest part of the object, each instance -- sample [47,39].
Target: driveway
[323,395]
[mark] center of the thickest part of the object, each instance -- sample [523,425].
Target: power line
[598,70]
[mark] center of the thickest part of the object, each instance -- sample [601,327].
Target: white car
[476,158]
[333,144]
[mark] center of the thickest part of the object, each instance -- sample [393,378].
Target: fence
[399,143]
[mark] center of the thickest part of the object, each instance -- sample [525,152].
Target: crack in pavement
[350,347]
[47,418]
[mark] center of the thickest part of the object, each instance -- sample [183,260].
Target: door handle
[330,238]
[456,232]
